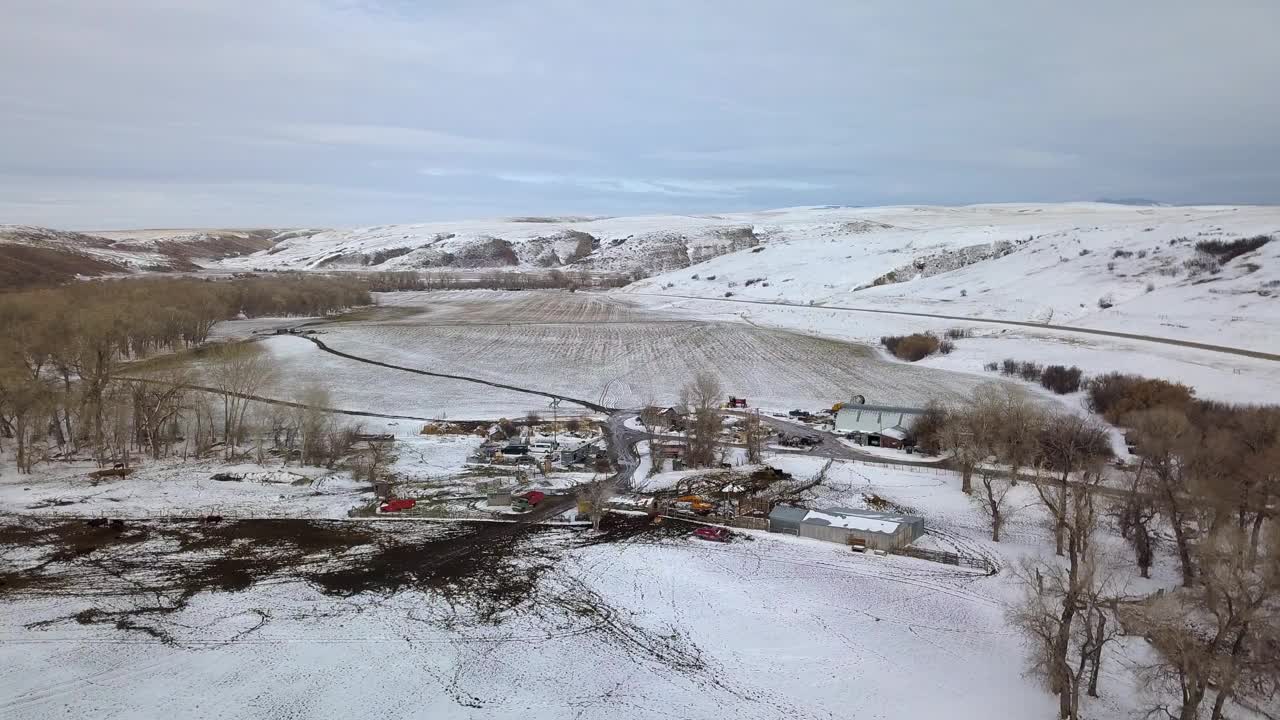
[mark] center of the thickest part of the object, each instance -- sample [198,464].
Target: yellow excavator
[697,503]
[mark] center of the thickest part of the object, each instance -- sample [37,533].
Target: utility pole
[555,422]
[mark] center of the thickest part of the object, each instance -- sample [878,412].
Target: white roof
[895,432]
[853,522]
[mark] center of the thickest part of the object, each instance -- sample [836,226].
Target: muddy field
[311,619]
[137,576]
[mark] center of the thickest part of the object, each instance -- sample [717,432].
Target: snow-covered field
[652,626]
[1214,375]
[1060,263]
[183,489]
[604,350]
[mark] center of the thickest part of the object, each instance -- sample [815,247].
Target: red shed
[534,497]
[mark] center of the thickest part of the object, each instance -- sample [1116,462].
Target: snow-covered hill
[37,256]
[643,245]
[1133,269]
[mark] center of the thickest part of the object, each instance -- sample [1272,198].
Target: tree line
[62,349]
[1206,486]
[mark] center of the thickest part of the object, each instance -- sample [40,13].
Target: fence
[750,523]
[948,558]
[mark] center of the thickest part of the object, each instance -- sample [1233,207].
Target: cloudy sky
[172,113]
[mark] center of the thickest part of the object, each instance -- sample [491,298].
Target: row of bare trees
[1206,484]
[63,352]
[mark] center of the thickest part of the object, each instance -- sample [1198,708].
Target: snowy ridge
[1114,267]
[148,250]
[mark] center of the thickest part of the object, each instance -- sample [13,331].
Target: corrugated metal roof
[788,513]
[884,408]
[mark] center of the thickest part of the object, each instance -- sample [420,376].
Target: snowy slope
[1040,263]
[643,244]
[135,250]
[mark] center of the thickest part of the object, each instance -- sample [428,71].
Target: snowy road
[1019,323]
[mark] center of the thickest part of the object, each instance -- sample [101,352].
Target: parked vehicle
[694,504]
[714,534]
[398,505]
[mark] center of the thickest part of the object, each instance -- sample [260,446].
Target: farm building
[874,418]
[893,437]
[580,454]
[876,425]
[848,526]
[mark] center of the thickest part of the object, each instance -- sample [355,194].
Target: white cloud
[662,186]
[413,139]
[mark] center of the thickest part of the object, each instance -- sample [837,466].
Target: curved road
[1019,323]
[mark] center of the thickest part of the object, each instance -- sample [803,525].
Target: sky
[337,113]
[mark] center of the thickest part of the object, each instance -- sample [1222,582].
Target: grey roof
[873,514]
[788,513]
[883,408]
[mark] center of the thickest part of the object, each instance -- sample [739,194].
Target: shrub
[910,347]
[992,366]
[958,333]
[728,294]
[1061,379]
[711,277]
[1115,395]
[1121,254]
[695,276]
[1151,287]
[946,346]
[1084,251]
[1226,250]
[1111,266]
[964,293]
[1202,264]
[1105,301]
[1142,253]
[928,426]
[1029,371]
[1009,367]
[757,249]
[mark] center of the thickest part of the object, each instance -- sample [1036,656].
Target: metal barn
[849,526]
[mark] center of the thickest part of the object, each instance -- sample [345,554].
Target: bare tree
[1018,429]
[1168,441]
[312,424]
[238,371]
[1049,619]
[596,494]
[703,396]
[157,406]
[1069,444]
[1135,515]
[753,434]
[993,489]
[1215,636]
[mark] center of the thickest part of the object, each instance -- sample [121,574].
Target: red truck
[398,505]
